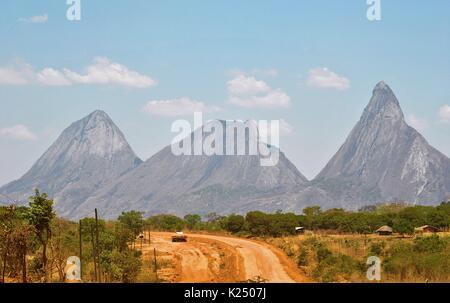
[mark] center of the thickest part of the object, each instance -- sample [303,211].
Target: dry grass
[302,249]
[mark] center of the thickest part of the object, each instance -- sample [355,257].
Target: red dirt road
[211,258]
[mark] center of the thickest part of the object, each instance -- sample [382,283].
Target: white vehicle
[179,237]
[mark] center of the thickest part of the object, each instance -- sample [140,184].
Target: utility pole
[97,245]
[81,252]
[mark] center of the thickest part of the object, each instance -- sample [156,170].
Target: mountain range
[91,165]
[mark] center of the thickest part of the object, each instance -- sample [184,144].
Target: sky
[310,64]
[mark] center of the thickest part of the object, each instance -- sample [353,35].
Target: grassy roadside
[342,258]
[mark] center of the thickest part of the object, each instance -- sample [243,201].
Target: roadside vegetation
[35,243]
[342,258]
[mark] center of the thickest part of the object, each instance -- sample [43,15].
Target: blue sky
[312,64]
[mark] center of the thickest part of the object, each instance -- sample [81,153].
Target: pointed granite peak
[98,112]
[381,86]
[98,115]
[383,102]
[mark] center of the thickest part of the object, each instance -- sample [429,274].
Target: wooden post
[97,245]
[81,252]
[94,252]
[156,264]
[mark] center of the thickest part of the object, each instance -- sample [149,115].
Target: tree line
[402,218]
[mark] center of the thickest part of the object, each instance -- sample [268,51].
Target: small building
[384,230]
[426,229]
[300,230]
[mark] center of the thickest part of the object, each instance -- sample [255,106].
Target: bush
[430,244]
[235,223]
[302,257]
[126,265]
[427,258]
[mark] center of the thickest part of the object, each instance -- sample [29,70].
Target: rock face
[167,183]
[86,156]
[384,160]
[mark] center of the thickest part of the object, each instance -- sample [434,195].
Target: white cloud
[12,77]
[273,99]
[18,132]
[243,85]
[325,78]
[247,91]
[35,19]
[444,114]
[102,71]
[18,74]
[177,107]
[417,123]
[52,77]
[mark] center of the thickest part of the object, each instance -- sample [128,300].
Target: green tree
[126,265]
[235,223]
[122,236]
[192,221]
[166,223]
[403,226]
[311,217]
[258,223]
[40,216]
[133,220]
[282,224]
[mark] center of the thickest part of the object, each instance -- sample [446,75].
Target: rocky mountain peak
[383,159]
[95,134]
[89,153]
[383,104]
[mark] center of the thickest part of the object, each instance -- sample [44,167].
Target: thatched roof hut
[426,229]
[384,230]
[300,230]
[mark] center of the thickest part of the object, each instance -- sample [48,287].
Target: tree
[282,224]
[312,216]
[40,216]
[122,236]
[132,220]
[235,223]
[7,216]
[166,223]
[21,240]
[258,223]
[403,226]
[192,221]
[126,265]
[64,243]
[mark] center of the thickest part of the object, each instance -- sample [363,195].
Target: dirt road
[210,258]
[259,260]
